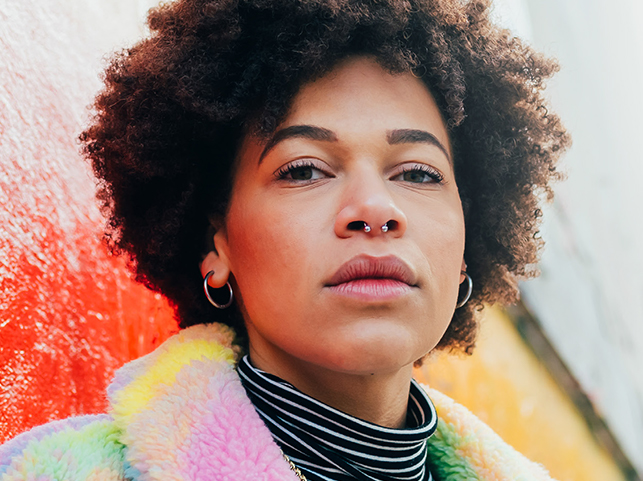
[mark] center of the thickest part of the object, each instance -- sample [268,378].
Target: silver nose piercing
[367,228]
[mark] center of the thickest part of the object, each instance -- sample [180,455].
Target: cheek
[440,233]
[446,245]
[441,242]
[270,258]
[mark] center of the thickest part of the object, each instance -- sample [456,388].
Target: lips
[373,278]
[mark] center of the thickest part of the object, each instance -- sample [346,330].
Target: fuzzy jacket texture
[181,413]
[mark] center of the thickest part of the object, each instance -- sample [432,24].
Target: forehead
[359,96]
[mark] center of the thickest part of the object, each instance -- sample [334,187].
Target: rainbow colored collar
[191,381]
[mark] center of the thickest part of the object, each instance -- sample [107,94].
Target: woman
[342,183]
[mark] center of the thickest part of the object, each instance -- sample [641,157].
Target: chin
[380,354]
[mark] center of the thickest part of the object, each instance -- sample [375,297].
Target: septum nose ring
[367,228]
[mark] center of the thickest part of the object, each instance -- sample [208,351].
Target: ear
[463,268]
[217,260]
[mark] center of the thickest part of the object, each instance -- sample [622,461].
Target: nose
[370,210]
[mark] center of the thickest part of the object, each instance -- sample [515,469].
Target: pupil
[414,176]
[302,173]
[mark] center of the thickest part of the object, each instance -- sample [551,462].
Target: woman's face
[359,146]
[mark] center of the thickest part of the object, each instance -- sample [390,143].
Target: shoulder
[147,396]
[79,448]
[463,447]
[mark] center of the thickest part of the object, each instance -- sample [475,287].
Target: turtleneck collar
[330,445]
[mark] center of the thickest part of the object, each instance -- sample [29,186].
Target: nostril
[392,224]
[356,225]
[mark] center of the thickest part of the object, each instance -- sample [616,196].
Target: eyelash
[294,166]
[431,172]
[288,169]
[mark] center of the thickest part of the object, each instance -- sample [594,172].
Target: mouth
[370,278]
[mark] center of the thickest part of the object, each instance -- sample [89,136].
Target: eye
[303,170]
[420,174]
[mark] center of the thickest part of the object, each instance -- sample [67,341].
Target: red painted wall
[69,313]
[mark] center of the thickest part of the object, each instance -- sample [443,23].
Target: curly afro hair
[175,106]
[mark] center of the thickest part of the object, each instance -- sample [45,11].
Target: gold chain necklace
[294,468]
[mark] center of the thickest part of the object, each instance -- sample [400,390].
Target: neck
[379,398]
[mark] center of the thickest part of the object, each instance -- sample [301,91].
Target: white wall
[589,297]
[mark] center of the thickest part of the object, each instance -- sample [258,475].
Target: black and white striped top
[327,444]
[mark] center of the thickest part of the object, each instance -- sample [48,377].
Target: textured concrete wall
[589,298]
[69,314]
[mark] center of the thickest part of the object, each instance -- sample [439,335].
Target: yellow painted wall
[507,387]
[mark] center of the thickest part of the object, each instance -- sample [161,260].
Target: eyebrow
[310,132]
[412,136]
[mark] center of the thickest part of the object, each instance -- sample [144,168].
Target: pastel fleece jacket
[181,413]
